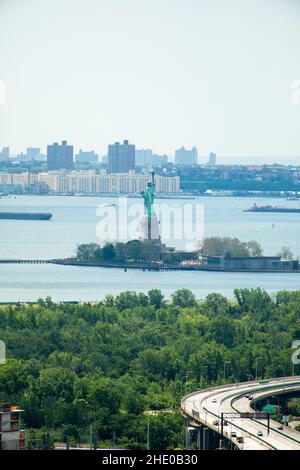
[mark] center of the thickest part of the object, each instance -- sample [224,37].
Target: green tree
[184,298]
[134,250]
[253,299]
[104,393]
[108,252]
[254,248]
[125,300]
[286,253]
[133,403]
[166,431]
[217,304]
[156,298]
[226,246]
[88,252]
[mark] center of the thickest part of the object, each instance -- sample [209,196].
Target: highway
[206,407]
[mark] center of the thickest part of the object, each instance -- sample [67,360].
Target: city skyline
[211,76]
[202,158]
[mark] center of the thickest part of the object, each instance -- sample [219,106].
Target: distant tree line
[238,179]
[226,246]
[116,363]
[132,251]
[144,251]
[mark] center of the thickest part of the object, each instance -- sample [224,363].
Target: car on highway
[214,400]
[280,428]
[259,433]
[216,422]
[233,434]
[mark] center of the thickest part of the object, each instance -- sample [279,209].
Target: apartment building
[11,435]
[88,182]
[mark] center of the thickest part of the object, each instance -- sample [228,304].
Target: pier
[25,261]
[153,267]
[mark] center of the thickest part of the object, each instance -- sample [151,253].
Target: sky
[162,73]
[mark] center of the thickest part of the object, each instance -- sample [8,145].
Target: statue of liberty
[149,198]
[150,230]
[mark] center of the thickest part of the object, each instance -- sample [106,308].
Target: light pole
[193,405]
[199,439]
[148,433]
[91,437]
[204,442]
[201,374]
[225,363]
[276,398]
[256,367]
[280,366]
[293,369]
[186,377]
[187,438]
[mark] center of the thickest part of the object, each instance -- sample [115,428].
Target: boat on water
[25,215]
[256,208]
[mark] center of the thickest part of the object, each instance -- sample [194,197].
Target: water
[75,222]
[65,283]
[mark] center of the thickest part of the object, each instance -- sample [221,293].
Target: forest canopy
[112,363]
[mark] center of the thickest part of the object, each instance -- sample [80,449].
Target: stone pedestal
[150,228]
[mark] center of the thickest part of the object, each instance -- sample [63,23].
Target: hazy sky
[162,73]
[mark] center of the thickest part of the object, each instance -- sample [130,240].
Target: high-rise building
[86,157]
[186,157]
[160,159]
[4,154]
[121,157]
[212,159]
[60,157]
[143,157]
[22,157]
[33,153]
